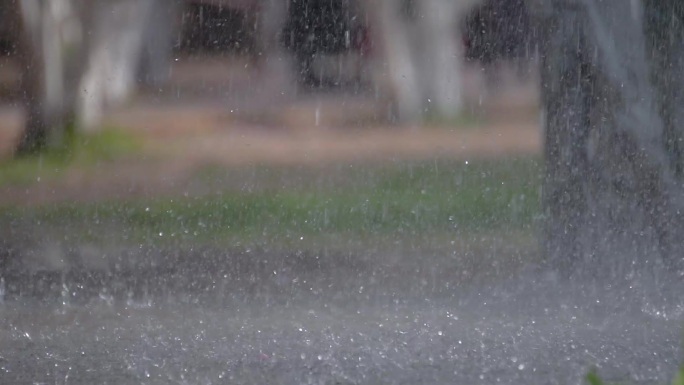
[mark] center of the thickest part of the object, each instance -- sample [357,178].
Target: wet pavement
[345,323]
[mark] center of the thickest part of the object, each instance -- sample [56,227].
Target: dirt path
[222,114]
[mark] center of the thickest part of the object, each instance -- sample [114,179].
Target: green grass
[592,378]
[405,200]
[81,149]
[679,379]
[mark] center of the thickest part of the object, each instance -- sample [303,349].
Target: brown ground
[219,112]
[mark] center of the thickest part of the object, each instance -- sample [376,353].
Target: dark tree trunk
[611,88]
[565,92]
[664,22]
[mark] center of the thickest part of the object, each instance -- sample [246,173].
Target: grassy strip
[409,199]
[82,149]
[592,378]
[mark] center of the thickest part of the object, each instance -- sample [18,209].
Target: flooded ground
[317,319]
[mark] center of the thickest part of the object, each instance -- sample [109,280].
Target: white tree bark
[114,53]
[397,61]
[81,56]
[421,54]
[51,39]
[442,57]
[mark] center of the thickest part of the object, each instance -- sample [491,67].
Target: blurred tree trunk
[81,56]
[440,64]
[393,35]
[421,51]
[611,84]
[50,38]
[271,18]
[114,52]
[158,42]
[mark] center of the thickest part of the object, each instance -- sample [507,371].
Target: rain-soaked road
[355,325]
